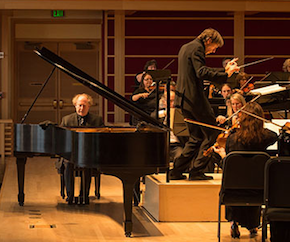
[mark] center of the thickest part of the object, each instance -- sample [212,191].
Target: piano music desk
[182,200]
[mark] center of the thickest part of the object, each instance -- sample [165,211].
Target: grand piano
[125,152]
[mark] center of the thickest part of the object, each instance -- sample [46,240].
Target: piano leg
[128,177]
[20,173]
[128,186]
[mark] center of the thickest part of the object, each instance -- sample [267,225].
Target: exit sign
[57,13]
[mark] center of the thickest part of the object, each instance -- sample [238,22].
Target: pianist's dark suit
[74,120]
[194,104]
[71,120]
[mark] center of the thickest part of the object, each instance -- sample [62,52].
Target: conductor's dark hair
[212,34]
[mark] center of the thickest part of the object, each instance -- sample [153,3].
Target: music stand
[278,76]
[159,75]
[178,125]
[162,76]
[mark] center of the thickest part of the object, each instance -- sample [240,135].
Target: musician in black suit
[81,117]
[194,103]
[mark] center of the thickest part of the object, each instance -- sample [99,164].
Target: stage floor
[45,217]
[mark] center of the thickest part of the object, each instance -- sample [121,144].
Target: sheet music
[267,90]
[276,129]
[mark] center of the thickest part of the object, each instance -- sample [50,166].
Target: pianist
[81,117]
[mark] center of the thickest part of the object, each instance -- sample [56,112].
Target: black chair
[242,180]
[277,193]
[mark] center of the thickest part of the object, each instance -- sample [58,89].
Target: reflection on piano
[126,152]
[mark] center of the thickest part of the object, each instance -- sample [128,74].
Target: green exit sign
[57,13]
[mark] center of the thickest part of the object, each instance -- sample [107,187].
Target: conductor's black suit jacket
[191,73]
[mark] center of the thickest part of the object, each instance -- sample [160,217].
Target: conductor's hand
[232,67]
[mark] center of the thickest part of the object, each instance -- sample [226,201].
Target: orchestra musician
[236,101]
[190,97]
[145,95]
[81,117]
[149,65]
[176,143]
[226,91]
[250,136]
[225,61]
[242,78]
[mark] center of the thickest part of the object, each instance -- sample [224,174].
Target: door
[54,101]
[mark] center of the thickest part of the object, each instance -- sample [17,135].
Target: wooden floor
[46,217]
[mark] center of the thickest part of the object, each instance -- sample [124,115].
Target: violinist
[250,136]
[242,78]
[149,65]
[226,91]
[145,95]
[236,101]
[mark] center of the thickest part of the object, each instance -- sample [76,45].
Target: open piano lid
[96,86]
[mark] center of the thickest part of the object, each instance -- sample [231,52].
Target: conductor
[194,103]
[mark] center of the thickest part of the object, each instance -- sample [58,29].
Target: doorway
[54,102]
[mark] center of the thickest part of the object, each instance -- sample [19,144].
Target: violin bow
[204,124]
[268,74]
[261,118]
[168,64]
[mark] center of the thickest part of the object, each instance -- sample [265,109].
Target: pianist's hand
[45,124]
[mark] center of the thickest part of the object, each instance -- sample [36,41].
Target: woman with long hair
[250,136]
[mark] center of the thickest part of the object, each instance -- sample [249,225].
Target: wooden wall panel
[266,35]
[159,35]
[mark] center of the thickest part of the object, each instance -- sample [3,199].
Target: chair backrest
[277,182]
[244,170]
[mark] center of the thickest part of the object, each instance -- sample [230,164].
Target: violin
[221,139]
[286,127]
[248,88]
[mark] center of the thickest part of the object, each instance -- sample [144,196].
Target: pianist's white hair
[76,97]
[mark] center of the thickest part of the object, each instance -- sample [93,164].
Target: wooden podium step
[182,200]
